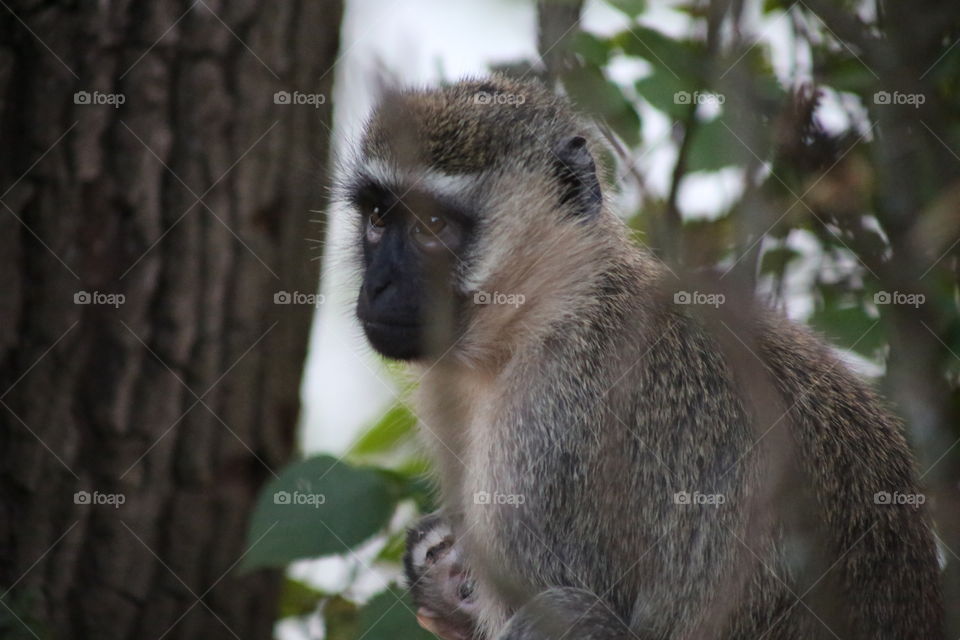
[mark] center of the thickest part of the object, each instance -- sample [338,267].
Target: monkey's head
[459,192]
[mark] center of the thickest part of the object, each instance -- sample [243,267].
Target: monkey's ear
[577,174]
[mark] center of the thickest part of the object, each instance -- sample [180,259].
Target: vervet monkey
[602,457]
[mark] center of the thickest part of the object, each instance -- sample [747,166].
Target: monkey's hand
[439,583]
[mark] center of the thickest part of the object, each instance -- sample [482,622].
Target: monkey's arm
[564,612]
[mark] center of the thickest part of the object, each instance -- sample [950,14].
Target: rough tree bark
[191,200]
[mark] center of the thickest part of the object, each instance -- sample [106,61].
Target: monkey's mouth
[390,326]
[394,340]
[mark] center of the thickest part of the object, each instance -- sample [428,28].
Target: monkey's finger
[438,626]
[428,620]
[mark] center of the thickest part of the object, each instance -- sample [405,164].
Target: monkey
[439,583]
[611,462]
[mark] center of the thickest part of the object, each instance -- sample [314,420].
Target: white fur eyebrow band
[435,182]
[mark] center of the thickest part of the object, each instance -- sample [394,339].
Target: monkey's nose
[375,286]
[379,287]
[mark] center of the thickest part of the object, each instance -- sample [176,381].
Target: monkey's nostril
[374,288]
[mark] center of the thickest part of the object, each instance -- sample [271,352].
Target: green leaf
[849,327]
[594,50]
[776,260]
[418,487]
[340,618]
[632,8]
[591,91]
[298,598]
[847,74]
[317,507]
[389,616]
[663,91]
[681,59]
[395,547]
[395,425]
[714,147]
[417,466]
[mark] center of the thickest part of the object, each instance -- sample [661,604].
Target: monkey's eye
[376,223]
[431,225]
[377,217]
[431,233]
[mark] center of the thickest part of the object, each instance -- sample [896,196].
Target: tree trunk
[154,197]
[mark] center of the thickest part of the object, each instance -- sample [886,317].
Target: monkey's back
[707,497]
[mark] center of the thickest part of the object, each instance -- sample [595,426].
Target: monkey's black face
[412,243]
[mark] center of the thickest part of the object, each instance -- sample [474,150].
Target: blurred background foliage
[846,201]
